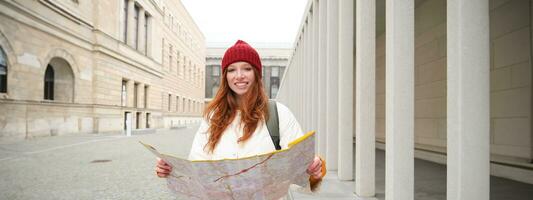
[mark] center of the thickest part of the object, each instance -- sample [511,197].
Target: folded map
[263,177]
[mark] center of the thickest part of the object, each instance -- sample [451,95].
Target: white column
[399,100]
[365,107]
[300,83]
[315,74]
[322,79]
[305,77]
[131,22]
[345,81]
[141,32]
[309,73]
[332,84]
[468,170]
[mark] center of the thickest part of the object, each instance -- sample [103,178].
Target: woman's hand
[162,168]
[315,168]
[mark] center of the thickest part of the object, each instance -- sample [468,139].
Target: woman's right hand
[162,168]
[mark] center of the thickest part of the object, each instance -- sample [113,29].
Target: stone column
[131,22]
[399,100]
[315,75]
[303,80]
[365,108]
[322,79]
[308,71]
[141,43]
[468,170]
[301,91]
[332,83]
[345,106]
[310,74]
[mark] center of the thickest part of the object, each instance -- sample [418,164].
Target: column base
[364,198]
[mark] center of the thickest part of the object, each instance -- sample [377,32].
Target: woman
[234,124]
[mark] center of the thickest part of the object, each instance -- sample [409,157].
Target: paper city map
[265,177]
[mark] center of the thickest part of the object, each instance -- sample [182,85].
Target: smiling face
[241,77]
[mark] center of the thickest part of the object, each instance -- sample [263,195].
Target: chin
[241,93]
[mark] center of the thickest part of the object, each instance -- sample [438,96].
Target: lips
[241,85]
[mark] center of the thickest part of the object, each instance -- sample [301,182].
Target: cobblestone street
[88,166]
[96,166]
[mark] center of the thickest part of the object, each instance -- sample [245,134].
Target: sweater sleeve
[289,128]
[200,140]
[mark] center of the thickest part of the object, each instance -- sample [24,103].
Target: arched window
[3,71]
[49,83]
[59,81]
[214,90]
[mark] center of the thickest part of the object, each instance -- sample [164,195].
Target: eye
[231,69]
[248,68]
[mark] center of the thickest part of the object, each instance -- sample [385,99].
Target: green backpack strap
[273,123]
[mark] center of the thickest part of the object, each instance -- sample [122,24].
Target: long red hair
[253,107]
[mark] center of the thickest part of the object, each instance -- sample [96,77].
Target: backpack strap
[273,123]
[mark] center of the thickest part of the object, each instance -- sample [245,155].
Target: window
[274,91]
[183,66]
[214,90]
[135,94]
[182,104]
[193,78]
[163,51]
[138,120]
[171,20]
[189,105]
[189,76]
[275,71]
[177,103]
[177,62]
[146,22]
[125,33]
[198,75]
[124,93]
[49,83]
[3,72]
[169,101]
[274,86]
[147,120]
[136,27]
[146,96]
[170,50]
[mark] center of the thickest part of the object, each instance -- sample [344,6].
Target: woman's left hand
[315,168]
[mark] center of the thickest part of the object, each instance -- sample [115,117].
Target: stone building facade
[274,61]
[82,66]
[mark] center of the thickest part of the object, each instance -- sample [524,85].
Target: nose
[240,73]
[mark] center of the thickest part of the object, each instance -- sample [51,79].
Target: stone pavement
[95,166]
[90,166]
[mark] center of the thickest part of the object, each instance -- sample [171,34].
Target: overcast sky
[261,23]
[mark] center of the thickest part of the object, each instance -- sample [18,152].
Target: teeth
[240,84]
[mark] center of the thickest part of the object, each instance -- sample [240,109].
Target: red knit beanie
[242,51]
